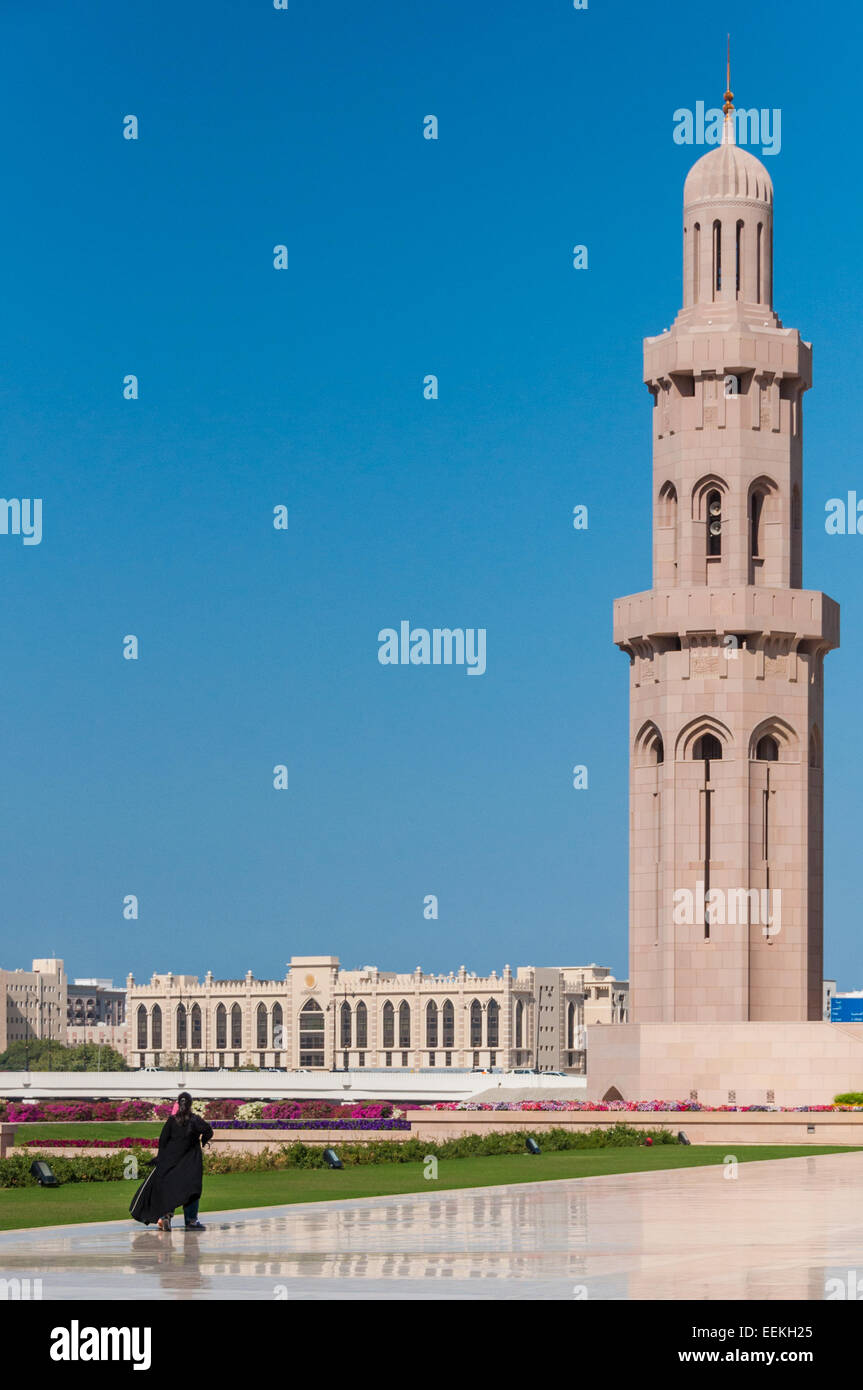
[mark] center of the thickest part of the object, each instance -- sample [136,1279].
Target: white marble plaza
[776,1230]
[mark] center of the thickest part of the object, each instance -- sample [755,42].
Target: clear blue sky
[304,387]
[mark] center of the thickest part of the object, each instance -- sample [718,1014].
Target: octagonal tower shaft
[726,650]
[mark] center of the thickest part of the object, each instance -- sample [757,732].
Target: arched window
[759,243]
[362,1025]
[221,1026]
[707,748]
[714,523]
[519,1024]
[431,1024]
[667,522]
[142,1027]
[278,1028]
[182,1041]
[476,1024]
[196,1027]
[767,749]
[389,1026]
[696,261]
[404,1024]
[717,257]
[756,539]
[345,1016]
[738,246]
[261,1026]
[157,1027]
[448,1024]
[311,1034]
[492,1027]
[570,1026]
[236,1026]
[648,749]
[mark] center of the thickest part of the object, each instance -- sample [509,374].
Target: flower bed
[224,1111]
[74,1112]
[131,1143]
[635,1107]
[361,1123]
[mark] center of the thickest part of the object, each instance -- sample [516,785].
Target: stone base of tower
[725,1063]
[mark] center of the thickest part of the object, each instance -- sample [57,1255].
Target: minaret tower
[726,650]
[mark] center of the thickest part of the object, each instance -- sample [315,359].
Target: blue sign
[846,1010]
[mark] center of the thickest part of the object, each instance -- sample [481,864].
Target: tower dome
[727,172]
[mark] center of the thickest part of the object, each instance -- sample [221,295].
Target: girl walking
[178,1174]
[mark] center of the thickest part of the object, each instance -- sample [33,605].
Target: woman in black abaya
[178,1173]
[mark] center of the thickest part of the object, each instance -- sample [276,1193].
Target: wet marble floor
[766,1230]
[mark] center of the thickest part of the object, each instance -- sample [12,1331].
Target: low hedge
[15,1171]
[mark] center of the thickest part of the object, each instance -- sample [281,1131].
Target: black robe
[178,1173]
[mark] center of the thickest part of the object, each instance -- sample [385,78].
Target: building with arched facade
[320,1016]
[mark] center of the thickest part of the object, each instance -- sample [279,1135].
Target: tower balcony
[699,348]
[806,614]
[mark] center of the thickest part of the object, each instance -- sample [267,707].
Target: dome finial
[728,105]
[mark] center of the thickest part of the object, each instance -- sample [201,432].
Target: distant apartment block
[33,1003]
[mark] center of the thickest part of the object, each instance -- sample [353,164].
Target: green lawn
[109,1201]
[89,1129]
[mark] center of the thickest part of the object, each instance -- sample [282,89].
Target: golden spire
[729,95]
[728,106]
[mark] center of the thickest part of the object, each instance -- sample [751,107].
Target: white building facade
[320,1017]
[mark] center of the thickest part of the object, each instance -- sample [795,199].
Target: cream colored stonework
[727,643]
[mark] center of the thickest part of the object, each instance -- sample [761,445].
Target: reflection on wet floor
[775,1230]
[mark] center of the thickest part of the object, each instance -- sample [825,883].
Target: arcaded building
[726,650]
[320,1017]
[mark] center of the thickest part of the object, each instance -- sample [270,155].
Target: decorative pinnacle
[729,95]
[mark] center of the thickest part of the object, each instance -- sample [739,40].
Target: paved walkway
[776,1230]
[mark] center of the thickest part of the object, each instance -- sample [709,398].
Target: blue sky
[304,387]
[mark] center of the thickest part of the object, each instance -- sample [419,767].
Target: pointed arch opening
[312,1024]
[492,1024]
[693,737]
[345,1021]
[649,750]
[773,741]
[666,522]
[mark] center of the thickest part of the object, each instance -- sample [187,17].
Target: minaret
[726,650]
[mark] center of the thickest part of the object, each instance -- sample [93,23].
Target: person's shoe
[164,1223]
[195,1226]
